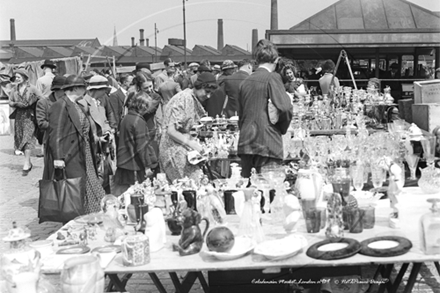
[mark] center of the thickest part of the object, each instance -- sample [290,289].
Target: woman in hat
[43,105]
[136,156]
[23,98]
[71,142]
[182,112]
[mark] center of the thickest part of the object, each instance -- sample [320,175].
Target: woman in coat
[23,98]
[71,142]
[135,156]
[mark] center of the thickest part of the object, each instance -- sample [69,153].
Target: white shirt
[44,83]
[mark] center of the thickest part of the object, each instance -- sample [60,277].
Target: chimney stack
[12,21]
[141,40]
[274,15]
[254,39]
[147,42]
[132,42]
[220,34]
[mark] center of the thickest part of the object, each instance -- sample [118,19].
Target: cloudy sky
[80,19]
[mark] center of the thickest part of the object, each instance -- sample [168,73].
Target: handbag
[13,114]
[61,200]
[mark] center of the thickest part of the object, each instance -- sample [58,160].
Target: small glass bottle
[430,229]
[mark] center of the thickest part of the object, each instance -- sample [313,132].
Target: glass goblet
[412,161]
[358,177]
[377,176]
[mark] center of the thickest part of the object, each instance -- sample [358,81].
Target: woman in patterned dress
[71,142]
[23,97]
[180,114]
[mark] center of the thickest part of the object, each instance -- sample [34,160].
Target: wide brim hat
[141,65]
[193,64]
[48,63]
[228,64]
[57,83]
[74,81]
[216,67]
[22,72]
[97,82]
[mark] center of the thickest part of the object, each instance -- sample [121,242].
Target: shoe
[26,172]
[19,153]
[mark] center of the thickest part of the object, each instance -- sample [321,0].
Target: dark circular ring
[403,247]
[353,247]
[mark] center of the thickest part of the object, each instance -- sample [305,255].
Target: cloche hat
[73,81]
[97,82]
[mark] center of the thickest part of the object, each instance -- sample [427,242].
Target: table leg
[117,283]
[188,281]
[157,282]
[386,273]
[399,277]
[437,266]
[412,277]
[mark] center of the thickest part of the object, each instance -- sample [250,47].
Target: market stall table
[413,205]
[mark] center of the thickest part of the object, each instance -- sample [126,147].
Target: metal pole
[184,36]
[155,43]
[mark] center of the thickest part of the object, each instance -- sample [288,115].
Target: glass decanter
[276,176]
[429,229]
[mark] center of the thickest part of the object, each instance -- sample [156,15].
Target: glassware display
[430,229]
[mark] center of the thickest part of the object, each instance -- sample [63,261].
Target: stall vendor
[180,114]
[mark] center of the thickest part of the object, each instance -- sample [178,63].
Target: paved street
[19,202]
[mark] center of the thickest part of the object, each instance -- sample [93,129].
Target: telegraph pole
[184,35]
[155,42]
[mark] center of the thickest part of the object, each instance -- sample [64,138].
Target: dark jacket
[257,135]
[134,150]
[42,114]
[66,140]
[231,86]
[117,102]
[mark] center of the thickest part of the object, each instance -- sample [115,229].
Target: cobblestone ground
[19,202]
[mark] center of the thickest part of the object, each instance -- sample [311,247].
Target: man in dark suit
[232,84]
[260,143]
[117,100]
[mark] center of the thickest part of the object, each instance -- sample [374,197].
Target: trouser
[256,161]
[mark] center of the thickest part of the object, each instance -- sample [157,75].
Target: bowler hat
[98,82]
[169,62]
[48,63]
[57,83]
[74,81]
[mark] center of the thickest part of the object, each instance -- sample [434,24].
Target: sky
[87,19]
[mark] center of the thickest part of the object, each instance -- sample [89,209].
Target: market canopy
[362,26]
